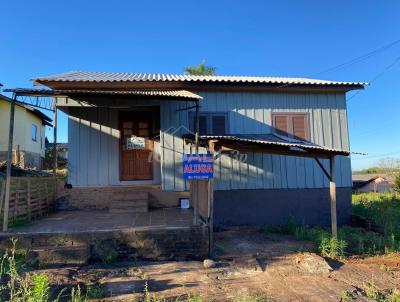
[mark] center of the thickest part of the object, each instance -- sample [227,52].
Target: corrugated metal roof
[84,76]
[141,92]
[275,140]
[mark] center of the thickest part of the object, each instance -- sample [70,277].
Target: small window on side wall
[211,123]
[294,125]
[34,132]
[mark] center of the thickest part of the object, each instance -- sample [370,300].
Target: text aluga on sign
[198,166]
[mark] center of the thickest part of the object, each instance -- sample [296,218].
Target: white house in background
[372,183]
[29,134]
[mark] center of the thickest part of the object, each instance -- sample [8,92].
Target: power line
[377,155]
[377,76]
[352,62]
[360,58]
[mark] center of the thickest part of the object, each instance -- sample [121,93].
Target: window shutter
[300,126]
[281,124]
[218,125]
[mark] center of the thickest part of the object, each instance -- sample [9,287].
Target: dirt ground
[247,262]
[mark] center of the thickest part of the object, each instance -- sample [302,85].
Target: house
[29,135]
[274,140]
[62,149]
[365,183]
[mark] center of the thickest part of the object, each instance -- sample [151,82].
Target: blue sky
[262,38]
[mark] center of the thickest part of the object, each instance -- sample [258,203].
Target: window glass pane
[143,125]
[218,125]
[34,132]
[127,125]
[143,132]
[203,125]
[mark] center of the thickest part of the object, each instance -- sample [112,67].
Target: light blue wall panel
[94,137]
[250,113]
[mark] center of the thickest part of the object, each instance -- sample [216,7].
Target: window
[34,132]
[211,123]
[293,125]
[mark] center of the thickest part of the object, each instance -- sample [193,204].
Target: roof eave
[229,86]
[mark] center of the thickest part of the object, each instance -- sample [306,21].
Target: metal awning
[185,94]
[280,145]
[270,143]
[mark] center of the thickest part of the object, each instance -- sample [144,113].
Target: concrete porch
[88,235]
[92,220]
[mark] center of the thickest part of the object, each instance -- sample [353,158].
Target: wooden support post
[55,148]
[194,196]
[210,216]
[55,142]
[332,196]
[9,164]
[196,137]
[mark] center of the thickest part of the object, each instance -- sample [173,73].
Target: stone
[209,263]
[313,264]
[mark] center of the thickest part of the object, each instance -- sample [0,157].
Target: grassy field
[381,211]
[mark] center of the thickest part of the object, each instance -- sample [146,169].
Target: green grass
[346,296]
[382,210]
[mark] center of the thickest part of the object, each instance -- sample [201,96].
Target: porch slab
[76,221]
[97,235]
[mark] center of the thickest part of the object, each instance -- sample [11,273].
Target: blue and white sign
[198,166]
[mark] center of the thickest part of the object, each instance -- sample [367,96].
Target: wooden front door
[136,145]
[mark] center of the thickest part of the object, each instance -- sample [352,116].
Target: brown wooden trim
[291,113]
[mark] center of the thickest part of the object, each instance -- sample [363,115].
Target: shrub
[346,295]
[39,290]
[332,247]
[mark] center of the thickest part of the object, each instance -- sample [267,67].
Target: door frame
[154,131]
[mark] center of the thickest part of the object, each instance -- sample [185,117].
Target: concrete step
[128,210]
[130,195]
[59,255]
[129,204]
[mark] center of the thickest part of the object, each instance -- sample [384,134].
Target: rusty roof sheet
[103,77]
[141,92]
[276,140]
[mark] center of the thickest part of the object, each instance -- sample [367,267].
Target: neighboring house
[118,122]
[62,149]
[365,183]
[29,134]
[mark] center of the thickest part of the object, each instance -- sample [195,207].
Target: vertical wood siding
[250,113]
[94,138]
[93,157]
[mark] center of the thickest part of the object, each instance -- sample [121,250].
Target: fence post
[16,200]
[28,198]
[9,164]
[3,189]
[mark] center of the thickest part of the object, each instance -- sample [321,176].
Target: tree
[397,182]
[200,69]
[389,165]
